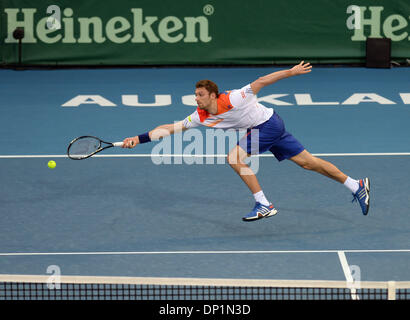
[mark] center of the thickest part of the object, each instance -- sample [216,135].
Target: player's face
[203,98]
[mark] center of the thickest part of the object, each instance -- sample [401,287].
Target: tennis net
[39,287]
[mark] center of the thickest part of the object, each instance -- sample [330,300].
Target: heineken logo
[59,25]
[394,26]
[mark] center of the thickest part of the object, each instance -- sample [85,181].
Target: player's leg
[262,206]
[236,159]
[309,162]
[257,140]
[360,188]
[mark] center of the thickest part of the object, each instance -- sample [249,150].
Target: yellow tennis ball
[52,164]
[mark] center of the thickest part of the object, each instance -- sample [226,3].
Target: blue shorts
[271,135]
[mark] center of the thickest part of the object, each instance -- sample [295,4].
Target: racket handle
[118,144]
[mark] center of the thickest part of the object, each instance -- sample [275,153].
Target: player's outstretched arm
[155,134]
[264,81]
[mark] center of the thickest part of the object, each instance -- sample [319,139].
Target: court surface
[122,214]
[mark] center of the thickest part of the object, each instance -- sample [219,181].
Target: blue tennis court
[123,214]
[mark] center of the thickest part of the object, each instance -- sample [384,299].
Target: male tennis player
[240,109]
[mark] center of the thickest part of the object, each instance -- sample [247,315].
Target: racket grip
[118,144]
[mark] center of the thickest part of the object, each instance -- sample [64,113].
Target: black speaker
[378,52]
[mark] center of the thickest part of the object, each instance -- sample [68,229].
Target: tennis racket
[86,146]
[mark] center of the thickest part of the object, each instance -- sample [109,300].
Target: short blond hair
[209,85]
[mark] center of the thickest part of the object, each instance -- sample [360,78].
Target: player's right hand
[130,142]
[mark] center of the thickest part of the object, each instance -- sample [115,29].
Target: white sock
[260,197]
[352,184]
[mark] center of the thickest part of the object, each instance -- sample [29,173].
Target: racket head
[84,147]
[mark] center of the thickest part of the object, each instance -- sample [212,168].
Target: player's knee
[232,159]
[305,166]
[308,164]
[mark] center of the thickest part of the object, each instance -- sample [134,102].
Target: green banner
[184,32]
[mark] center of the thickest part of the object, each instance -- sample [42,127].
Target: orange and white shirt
[237,109]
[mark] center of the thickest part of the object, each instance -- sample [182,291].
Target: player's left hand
[301,68]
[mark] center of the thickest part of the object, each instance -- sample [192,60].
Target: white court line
[148,155]
[197,252]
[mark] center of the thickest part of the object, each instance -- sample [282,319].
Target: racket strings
[84,147]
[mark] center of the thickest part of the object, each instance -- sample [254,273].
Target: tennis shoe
[260,211]
[363,195]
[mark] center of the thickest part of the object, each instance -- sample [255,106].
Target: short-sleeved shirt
[237,109]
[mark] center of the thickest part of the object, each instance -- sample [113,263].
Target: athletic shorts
[271,135]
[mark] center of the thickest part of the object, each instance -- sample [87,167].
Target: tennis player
[239,109]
